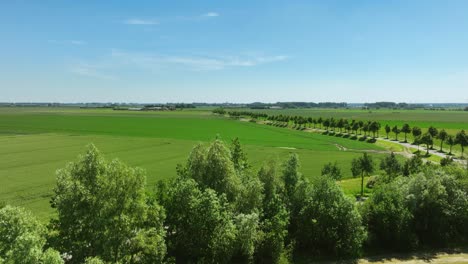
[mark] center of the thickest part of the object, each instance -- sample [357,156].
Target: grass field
[37,141]
[450,120]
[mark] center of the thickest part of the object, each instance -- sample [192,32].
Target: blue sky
[236,51]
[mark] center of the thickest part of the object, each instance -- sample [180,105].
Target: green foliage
[363,166]
[93,260]
[274,219]
[451,142]
[274,225]
[238,156]
[22,238]
[388,219]
[219,111]
[391,165]
[329,224]
[291,174]
[442,137]
[427,140]
[332,170]
[439,206]
[200,224]
[406,129]
[446,161]
[213,168]
[462,139]
[413,165]
[102,210]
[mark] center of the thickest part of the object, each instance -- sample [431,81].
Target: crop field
[38,141]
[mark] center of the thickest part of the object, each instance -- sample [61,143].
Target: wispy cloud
[89,70]
[194,63]
[67,42]
[137,21]
[210,14]
[118,61]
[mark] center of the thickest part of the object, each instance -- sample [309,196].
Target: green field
[450,120]
[37,141]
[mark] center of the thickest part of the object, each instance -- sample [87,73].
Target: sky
[234,51]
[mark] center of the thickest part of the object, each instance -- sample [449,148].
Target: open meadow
[38,141]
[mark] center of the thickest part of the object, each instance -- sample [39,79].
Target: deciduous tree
[362,166]
[103,210]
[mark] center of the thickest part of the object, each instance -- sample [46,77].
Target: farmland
[38,141]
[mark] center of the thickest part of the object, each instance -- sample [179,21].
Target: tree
[462,139]
[387,130]
[390,165]
[416,131]
[406,129]
[362,166]
[433,132]
[291,174]
[238,157]
[374,127]
[396,131]
[427,140]
[365,128]
[103,210]
[332,170]
[442,137]
[326,123]
[200,224]
[412,165]
[451,141]
[274,219]
[212,167]
[355,127]
[320,121]
[439,205]
[22,238]
[329,223]
[388,218]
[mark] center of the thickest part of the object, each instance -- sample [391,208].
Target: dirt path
[454,258]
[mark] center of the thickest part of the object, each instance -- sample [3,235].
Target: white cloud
[210,14]
[137,21]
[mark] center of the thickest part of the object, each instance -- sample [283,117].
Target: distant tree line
[359,127]
[219,210]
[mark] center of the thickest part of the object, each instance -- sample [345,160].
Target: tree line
[360,127]
[220,210]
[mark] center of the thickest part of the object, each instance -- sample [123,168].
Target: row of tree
[218,210]
[362,127]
